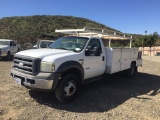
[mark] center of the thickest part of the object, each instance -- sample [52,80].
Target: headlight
[47,67]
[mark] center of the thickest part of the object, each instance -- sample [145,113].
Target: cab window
[93,48]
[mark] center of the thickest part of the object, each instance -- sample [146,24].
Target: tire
[67,88]
[8,57]
[131,71]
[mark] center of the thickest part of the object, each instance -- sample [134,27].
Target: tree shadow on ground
[105,94]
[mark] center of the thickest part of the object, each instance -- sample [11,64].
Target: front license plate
[18,81]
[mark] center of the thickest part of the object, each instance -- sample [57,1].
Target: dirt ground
[113,98]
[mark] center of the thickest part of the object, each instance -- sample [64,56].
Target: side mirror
[87,52]
[97,51]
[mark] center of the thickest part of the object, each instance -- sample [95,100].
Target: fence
[146,51]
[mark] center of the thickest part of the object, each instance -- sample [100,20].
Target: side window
[12,43]
[93,48]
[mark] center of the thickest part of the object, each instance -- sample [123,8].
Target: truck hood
[41,53]
[3,46]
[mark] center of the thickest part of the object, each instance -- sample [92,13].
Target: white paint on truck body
[119,59]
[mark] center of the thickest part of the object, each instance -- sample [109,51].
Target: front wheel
[67,88]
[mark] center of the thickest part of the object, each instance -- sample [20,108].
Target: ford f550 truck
[8,48]
[70,62]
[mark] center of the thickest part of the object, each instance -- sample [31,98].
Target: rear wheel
[131,71]
[67,88]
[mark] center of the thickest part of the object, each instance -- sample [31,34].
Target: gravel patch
[114,97]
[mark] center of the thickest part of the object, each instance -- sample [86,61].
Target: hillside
[27,30]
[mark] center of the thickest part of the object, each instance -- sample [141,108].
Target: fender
[66,66]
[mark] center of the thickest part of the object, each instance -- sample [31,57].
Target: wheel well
[75,72]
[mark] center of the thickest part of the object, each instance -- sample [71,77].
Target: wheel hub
[69,89]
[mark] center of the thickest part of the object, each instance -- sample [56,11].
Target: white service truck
[70,62]
[8,48]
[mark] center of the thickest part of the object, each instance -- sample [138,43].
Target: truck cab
[8,48]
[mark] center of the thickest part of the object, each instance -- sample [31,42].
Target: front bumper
[42,81]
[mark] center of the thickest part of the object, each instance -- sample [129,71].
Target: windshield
[45,44]
[76,44]
[4,43]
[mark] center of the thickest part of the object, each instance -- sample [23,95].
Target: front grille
[27,64]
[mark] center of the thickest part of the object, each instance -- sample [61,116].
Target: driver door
[94,63]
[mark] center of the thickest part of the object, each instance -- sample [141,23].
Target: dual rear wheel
[131,71]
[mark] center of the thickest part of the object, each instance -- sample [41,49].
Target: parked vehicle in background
[42,44]
[8,48]
[71,61]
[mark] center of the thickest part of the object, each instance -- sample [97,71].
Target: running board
[92,79]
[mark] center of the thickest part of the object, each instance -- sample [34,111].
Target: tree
[143,40]
[150,40]
[145,31]
[138,42]
[155,36]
